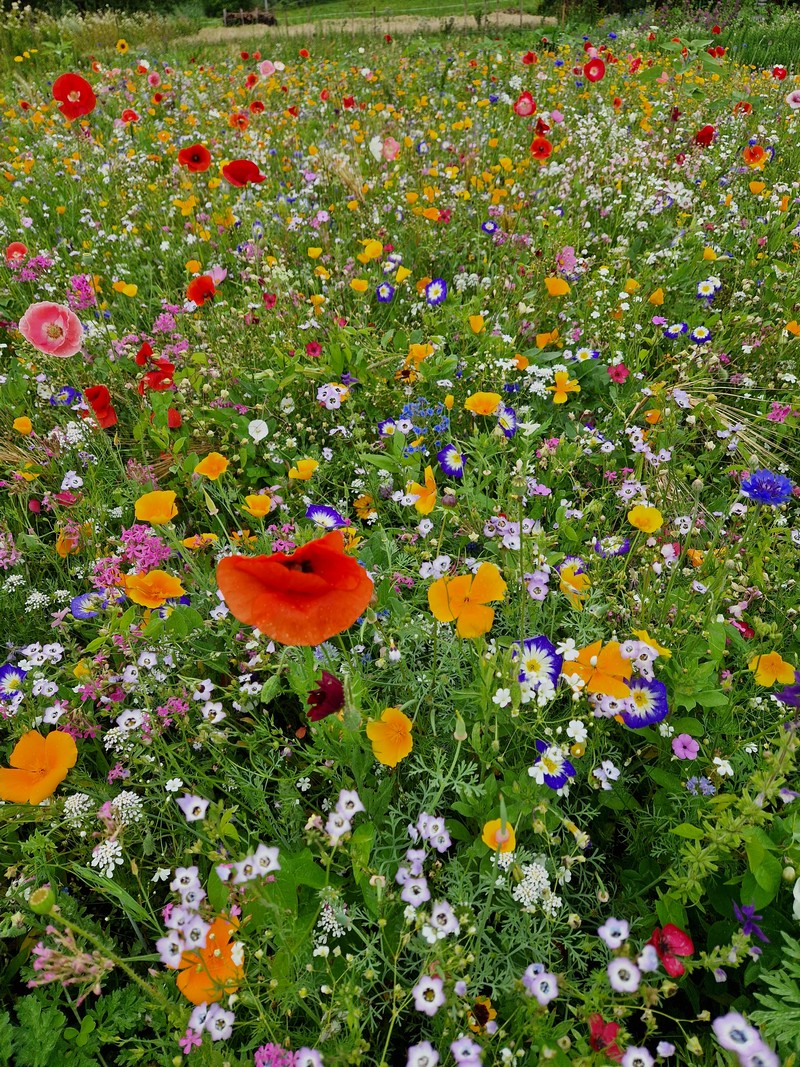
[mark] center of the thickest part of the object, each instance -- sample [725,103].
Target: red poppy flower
[144,353]
[529,58]
[541,127]
[239,120]
[716,29]
[16,251]
[327,698]
[174,420]
[301,599]
[304,53]
[251,80]
[159,379]
[195,158]
[669,943]
[294,111]
[779,72]
[256,107]
[704,136]
[594,70]
[525,105]
[244,55]
[201,289]
[75,95]
[241,171]
[541,148]
[348,101]
[602,1037]
[324,95]
[743,107]
[99,400]
[388,38]
[129,115]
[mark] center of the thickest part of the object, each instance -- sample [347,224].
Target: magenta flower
[685,747]
[52,328]
[189,1041]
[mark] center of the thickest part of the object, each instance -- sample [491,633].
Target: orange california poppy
[754,155]
[212,466]
[258,505]
[603,669]
[208,974]
[496,839]
[556,286]
[425,494]
[38,765]
[772,668]
[156,508]
[563,387]
[391,737]
[151,590]
[298,599]
[464,600]
[483,403]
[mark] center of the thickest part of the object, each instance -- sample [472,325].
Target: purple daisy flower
[647,703]
[327,518]
[385,293]
[436,291]
[606,547]
[539,661]
[11,679]
[451,461]
[551,768]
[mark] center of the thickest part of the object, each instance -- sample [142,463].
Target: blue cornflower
[647,703]
[11,679]
[765,487]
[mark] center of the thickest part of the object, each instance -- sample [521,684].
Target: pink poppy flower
[52,328]
[391,149]
[267,68]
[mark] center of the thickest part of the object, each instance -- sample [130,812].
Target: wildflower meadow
[399,539]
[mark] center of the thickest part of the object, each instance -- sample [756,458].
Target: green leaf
[108,887]
[685,829]
[217,892]
[666,780]
[361,843]
[671,911]
[38,1032]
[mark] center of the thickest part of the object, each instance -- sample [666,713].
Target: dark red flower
[541,127]
[270,300]
[594,70]
[174,420]
[201,289]
[99,400]
[388,38]
[327,698]
[704,136]
[529,58]
[195,158]
[669,943]
[348,101]
[525,105]
[602,1037]
[779,72]
[716,29]
[324,95]
[314,349]
[159,379]
[256,107]
[75,95]
[241,171]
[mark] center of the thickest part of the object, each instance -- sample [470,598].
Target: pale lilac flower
[422,1055]
[194,808]
[614,932]
[428,995]
[623,975]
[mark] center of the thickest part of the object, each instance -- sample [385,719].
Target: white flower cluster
[534,891]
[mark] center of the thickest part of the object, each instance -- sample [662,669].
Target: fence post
[224,17]
[466,10]
[520,13]
[374,20]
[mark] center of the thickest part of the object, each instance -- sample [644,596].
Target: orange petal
[446,597]
[30,752]
[61,751]
[487,584]
[474,621]
[17,786]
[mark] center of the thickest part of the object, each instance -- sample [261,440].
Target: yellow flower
[563,387]
[23,425]
[496,838]
[156,508]
[402,274]
[476,323]
[646,519]
[771,668]
[212,466]
[425,494]
[258,505]
[314,253]
[545,339]
[464,599]
[202,540]
[194,266]
[391,737]
[757,187]
[709,253]
[631,285]
[574,586]
[151,590]
[359,285]
[372,250]
[645,637]
[556,287]
[657,297]
[483,403]
[304,469]
[121,46]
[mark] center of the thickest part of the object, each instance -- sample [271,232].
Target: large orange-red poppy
[298,599]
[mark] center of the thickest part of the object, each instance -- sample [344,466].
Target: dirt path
[382,23]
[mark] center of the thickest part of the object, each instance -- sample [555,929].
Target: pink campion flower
[52,328]
[565,260]
[618,373]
